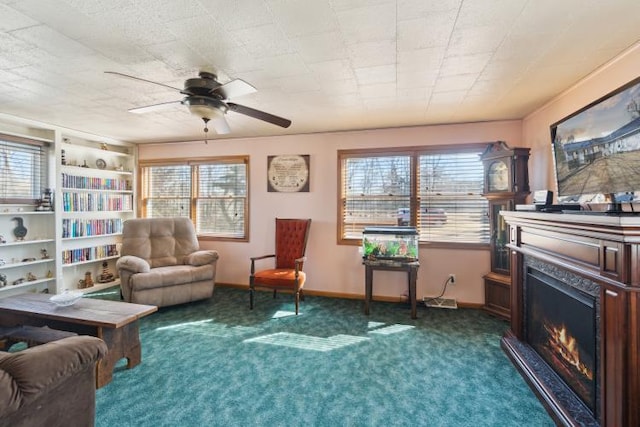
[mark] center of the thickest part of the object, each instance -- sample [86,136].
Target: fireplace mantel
[605,250]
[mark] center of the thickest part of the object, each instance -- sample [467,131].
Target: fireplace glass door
[561,328]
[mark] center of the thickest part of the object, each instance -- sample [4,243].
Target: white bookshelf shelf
[90,261]
[27,284]
[22,264]
[95,236]
[26,242]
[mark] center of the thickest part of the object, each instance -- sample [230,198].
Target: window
[23,169]
[436,189]
[212,192]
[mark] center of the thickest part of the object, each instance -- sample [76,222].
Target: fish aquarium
[390,243]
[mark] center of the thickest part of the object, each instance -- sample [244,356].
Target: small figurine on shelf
[106,276]
[87,282]
[104,146]
[49,274]
[3,280]
[20,231]
[18,281]
[44,253]
[31,277]
[46,203]
[2,239]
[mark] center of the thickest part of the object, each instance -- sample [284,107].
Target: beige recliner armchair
[161,262]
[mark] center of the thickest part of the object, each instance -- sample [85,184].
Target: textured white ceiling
[327,65]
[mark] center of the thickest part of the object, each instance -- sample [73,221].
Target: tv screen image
[597,149]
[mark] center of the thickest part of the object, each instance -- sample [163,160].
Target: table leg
[122,342]
[368,287]
[413,276]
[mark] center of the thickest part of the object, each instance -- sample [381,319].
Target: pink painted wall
[535,127]
[331,267]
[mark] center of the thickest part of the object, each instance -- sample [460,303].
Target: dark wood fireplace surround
[603,251]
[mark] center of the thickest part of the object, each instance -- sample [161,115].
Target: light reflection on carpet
[308,342]
[392,329]
[209,328]
[282,313]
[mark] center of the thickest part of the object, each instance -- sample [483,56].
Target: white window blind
[213,193]
[168,190]
[439,191]
[374,190]
[222,199]
[23,171]
[451,205]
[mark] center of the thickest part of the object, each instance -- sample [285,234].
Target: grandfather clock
[506,183]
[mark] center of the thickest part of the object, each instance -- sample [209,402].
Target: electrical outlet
[452,279]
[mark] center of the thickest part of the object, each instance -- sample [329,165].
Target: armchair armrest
[257,258]
[202,257]
[38,368]
[133,264]
[298,264]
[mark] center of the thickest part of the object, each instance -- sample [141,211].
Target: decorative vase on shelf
[20,231]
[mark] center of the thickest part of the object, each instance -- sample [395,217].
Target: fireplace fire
[561,329]
[564,346]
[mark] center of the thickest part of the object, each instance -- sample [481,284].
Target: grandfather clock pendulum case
[506,183]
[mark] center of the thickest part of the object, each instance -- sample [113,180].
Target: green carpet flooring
[216,363]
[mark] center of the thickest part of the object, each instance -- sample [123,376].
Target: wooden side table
[411,268]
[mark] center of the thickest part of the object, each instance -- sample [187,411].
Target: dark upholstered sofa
[162,264]
[53,384]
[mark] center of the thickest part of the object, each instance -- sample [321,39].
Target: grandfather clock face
[498,176]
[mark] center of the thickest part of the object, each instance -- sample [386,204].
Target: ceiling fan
[208,99]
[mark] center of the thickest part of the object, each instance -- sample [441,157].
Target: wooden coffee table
[116,323]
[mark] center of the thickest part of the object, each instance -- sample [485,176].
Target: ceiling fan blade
[142,80]
[260,115]
[220,125]
[154,107]
[234,89]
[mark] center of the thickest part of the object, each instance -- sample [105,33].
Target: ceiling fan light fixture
[205,108]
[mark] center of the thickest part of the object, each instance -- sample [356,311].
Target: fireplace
[575,314]
[560,326]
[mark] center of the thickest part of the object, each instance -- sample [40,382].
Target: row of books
[92,183]
[91,202]
[90,227]
[71,256]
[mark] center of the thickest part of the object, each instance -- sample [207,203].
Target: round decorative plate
[101,164]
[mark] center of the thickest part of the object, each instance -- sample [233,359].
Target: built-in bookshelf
[96,184]
[93,187]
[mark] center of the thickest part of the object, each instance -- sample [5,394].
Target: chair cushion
[159,241]
[171,275]
[279,277]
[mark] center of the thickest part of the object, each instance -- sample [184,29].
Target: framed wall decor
[288,173]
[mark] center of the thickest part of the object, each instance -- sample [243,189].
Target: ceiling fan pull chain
[206,129]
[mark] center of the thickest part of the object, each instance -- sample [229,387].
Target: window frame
[44,167]
[194,163]
[414,152]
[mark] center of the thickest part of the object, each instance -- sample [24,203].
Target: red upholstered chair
[291,243]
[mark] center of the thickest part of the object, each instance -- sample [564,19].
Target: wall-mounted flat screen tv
[597,149]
